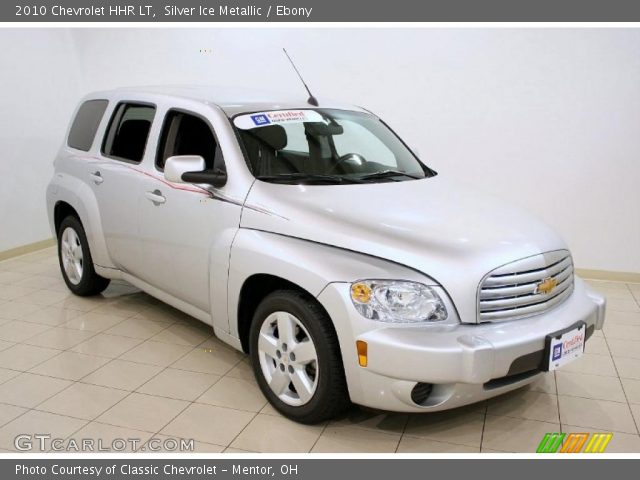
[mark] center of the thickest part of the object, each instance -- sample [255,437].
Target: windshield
[325,146]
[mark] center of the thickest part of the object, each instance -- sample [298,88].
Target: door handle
[156,197]
[96,177]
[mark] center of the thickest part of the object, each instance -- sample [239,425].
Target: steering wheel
[348,156]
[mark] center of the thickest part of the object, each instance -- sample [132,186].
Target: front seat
[263,145]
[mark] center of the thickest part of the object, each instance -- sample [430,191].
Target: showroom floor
[123,365]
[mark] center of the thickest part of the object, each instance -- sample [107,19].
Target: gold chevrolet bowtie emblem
[546,286]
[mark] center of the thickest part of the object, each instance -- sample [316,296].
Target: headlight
[397,301]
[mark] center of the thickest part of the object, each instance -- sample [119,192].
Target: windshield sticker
[262,119]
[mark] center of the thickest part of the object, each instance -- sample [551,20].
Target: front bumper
[465,363]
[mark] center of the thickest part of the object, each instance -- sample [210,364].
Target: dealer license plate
[565,346]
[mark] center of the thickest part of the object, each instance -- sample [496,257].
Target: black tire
[331,397]
[90,282]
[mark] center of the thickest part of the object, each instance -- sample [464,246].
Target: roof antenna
[311,100]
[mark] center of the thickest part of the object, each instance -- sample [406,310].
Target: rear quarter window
[85,124]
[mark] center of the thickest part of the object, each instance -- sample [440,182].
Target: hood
[453,234]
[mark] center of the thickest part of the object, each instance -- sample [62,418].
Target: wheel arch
[255,289]
[62,210]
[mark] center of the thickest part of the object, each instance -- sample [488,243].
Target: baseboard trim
[628,277]
[30,248]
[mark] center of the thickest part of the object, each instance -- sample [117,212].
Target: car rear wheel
[296,358]
[75,260]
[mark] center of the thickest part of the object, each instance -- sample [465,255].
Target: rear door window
[128,132]
[85,125]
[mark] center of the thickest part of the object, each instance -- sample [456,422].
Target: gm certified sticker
[262,119]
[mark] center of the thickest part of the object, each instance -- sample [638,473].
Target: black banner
[315,469]
[320,11]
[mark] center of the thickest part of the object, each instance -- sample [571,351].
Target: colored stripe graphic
[574,442]
[550,443]
[598,442]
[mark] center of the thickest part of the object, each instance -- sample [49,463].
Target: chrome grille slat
[514,314]
[523,300]
[547,267]
[510,292]
[518,290]
[526,277]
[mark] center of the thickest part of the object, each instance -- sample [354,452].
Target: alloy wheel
[72,257]
[288,358]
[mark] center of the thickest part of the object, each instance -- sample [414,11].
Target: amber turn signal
[361,346]
[361,292]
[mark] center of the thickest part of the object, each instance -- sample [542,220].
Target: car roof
[231,100]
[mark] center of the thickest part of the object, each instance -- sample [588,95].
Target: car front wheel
[296,358]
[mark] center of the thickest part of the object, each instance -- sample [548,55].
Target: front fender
[311,266]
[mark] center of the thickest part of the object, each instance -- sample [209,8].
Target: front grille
[512,291]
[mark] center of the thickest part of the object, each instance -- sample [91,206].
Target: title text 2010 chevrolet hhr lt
[314,239]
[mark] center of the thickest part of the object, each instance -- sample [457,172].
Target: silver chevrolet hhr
[312,238]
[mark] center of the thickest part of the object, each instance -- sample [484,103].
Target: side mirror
[191,169]
[175,167]
[216,178]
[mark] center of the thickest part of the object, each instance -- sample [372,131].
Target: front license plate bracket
[564,346]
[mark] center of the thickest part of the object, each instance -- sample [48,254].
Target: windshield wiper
[387,174]
[308,177]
